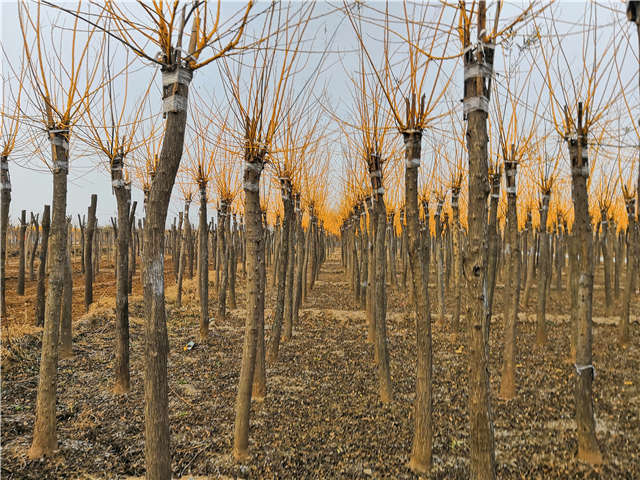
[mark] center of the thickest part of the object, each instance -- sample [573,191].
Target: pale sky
[32,181]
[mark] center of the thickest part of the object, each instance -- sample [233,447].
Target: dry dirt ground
[321,417]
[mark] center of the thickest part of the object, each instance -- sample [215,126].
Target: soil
[321,417]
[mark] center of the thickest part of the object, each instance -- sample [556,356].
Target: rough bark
[5,202]
[42,267]
[385,389]
[605,245]
[156,409]
[34,246]
[276,327]
[44,431]
[439,262]
[224,260]
[21,252]
[511,288]
[588,449]
[122,192]
[421,452]
[481,443]
[297,286]
[543,272]
[492,261]
[259,389]
[66,336]
[255,303]
[88,250]
[183,251]
[289,292]
[632,234]
[203,265]
[457,257]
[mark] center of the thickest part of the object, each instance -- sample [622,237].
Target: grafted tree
[259,101]
[581,88]
[164,26]
[112,129]
[59,101]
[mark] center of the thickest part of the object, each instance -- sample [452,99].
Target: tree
[59,102]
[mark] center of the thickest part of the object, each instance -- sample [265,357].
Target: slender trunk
[492,261]
[385,388]
[421,453]
[299,266]
[255,304]
[457,258]
[543,272]
[5,202]
[588,449]
[605,245]
[66,336]
[617,245]
[511,285]
[224,259]
[44,431]
[42,267]
[371,270]
[157,449]
[259,389]
[276,328]
[133,240]
[34,246]
[291,261]
[203,265]
[88,249]
[21,253]
[632,234]
[440,262]
[183,252]
[122,192]
[234,245]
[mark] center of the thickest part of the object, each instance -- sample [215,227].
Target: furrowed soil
[321,417]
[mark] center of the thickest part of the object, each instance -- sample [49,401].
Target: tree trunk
[183,252]
[440,262]
[276,328]
[632,240]
[511,285]
[481,443]
[157,450]
[492,261]
[385,388]
[543,272]
[457,258]
[122,192]
[21,253]
[5,202]
[290,281]
[224,259]
[234,246]
[88,265]
[259,375]
[588,449]
[42,267]
[34,247]
[255,303]
[66,335]
[297,286]
[44,431]
[203,265]
[605,245]
[421,453]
